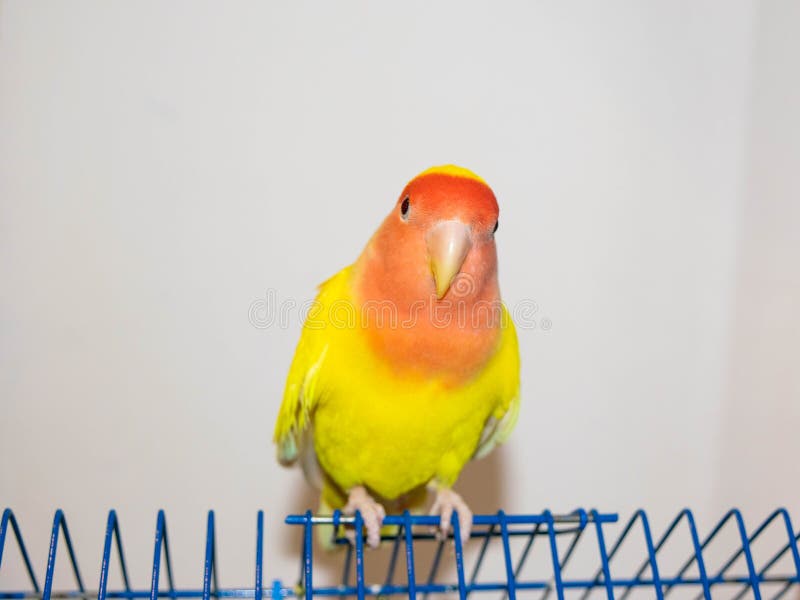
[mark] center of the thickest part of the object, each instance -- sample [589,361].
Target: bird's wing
[303,389]
[500,425]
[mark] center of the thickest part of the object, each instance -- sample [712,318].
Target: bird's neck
[449,338]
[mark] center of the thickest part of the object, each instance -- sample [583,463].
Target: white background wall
[162,166]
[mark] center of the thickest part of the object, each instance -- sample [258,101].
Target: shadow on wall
[482,485]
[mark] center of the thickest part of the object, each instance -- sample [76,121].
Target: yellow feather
[453,170]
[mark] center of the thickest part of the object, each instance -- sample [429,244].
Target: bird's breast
[382,431]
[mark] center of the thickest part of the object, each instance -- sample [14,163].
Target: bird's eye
[496,225]
[404,208]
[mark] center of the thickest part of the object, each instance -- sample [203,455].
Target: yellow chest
[376,428]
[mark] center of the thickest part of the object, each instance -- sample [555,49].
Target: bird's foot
[371,512]
[446,502]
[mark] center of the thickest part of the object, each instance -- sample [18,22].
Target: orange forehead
[447,192]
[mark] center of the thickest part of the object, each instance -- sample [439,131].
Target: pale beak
[448,245]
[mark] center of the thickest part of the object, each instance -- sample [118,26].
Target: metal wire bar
[434,566]
[573,544]
[685,514]
[486,539]
[412,584]
[736,515]
[790,544]
[308,557]
[569,528]
[259,590]
[551,534]
[601,546]
[59,524]
[9,518]
[393,560]
[359,523]
[379,591]
[112,531]
[161,540]
[209,572]
[651,554]
[462,586]
[511,587]
[348,559]
[433,520]
[745,549]
[526,550]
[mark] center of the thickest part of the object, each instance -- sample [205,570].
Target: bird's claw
[446,502]
[372,513]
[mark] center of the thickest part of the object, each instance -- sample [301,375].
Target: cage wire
[535,554]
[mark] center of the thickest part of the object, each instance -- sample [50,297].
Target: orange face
[438,197]
[434,259]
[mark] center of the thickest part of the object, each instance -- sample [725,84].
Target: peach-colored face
[434,258]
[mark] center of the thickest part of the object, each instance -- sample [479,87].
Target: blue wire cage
[770,573]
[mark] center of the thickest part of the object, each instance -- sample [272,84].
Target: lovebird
[408,364]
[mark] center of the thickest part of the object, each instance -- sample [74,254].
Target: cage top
[561,534]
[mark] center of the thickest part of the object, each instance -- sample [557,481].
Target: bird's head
[433,264]
[442,225]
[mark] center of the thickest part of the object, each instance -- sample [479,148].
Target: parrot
[408,363]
